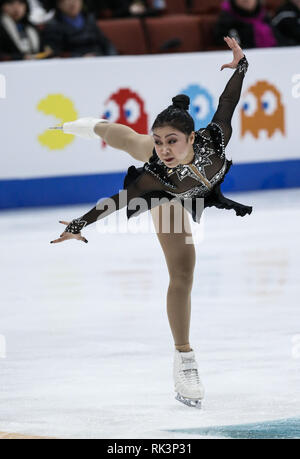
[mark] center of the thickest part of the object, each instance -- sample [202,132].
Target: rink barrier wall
[39,167]
[79,189]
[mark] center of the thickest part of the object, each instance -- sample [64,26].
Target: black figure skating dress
[201,179]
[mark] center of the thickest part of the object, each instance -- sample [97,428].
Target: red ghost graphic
[127,107]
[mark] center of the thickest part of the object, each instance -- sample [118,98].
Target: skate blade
[189,401]
[56,128]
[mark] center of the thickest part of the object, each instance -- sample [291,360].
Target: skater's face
[16,9]
[173,147]
[70,7]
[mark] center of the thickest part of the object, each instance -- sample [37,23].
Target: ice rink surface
[89,351]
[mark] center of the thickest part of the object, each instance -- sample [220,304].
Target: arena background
[85,346]
[39,167]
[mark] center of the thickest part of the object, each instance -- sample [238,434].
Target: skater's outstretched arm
[232,92]
[73,229]
[144,184]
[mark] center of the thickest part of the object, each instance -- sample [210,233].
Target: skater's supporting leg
[180,259]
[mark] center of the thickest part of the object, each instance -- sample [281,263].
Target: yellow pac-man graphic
[262,110]
[63,109]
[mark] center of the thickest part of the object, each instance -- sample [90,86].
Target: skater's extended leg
[122,137]
[180,259]
[119,136]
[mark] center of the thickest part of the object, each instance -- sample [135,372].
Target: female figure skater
[180,165]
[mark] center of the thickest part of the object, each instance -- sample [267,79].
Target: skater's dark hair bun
[181,101]
[176,116]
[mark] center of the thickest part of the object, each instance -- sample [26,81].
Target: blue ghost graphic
[202,106]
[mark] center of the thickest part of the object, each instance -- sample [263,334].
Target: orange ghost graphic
[262,110]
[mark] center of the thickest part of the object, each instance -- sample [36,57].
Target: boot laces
[191,374]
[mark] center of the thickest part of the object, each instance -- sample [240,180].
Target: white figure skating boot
[83,127]
[188,386]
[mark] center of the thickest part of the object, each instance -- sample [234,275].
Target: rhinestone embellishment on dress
[203,150]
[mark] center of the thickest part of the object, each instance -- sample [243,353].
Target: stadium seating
[175,33]
[180,29]
[176,6]
[214,6]
[126,34]
[207,23]
[272,5]
[206,7]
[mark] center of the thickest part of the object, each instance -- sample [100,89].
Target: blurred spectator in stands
[125,8]
[19,39]
[38,14]
[249,23]
[74,33]
[287,21]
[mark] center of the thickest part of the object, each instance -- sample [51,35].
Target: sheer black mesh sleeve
[230,98]
[141,186]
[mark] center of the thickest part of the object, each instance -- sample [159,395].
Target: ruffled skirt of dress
[214,199]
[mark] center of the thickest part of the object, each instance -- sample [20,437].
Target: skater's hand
[237,53]
[65,236]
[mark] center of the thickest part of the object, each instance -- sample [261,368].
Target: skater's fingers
[235,44]
[80,238]
[229,41]
[67,235]
[226,66]
[64,223]
[61,239]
